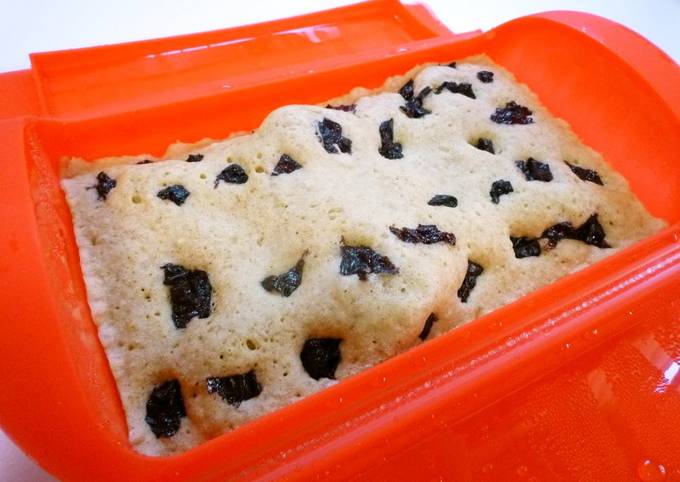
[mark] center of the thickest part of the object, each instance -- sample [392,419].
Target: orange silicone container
[577,381]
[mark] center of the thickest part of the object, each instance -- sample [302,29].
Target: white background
[34,26]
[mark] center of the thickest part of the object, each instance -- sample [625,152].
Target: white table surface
[34,26]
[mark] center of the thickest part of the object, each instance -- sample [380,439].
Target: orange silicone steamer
[576,381]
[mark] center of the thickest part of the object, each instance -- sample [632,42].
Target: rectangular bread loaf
[232,278]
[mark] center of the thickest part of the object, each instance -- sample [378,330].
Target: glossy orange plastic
[577,381]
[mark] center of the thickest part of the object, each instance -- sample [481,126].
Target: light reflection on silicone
[316,34]
[199,47]
[600,387]
[669,374]
[650,348]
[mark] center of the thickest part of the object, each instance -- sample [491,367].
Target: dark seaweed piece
[165,409]
[343,107]
[145,161]
[414,108]
[463,88]
[286,165]
[320,357]
[287,282]
[525,247]
[407,91]
[232,174]
[428,326]
[585,174]
[484,144]
[235,389]
[424,233]
[556,233]
[330,135]
[512,113]
[424,93]
[443,200]
[414,103]
[103,186]
[362,261]
[591,232]
[470,280]
[190,293]
[389,148]
[535,170]
[485,76]
[175,193]
[498,188]
[194,158]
